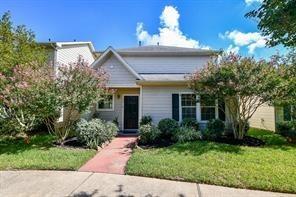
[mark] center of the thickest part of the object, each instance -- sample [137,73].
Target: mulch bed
[247,141]
[71,143]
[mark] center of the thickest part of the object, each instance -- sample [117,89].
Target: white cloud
[169,32]
[232,49]
[249,2]
[251,40]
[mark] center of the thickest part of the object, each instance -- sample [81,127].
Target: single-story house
[267,116]
[150,80]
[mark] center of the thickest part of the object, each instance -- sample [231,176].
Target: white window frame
[112,109]
[198,108]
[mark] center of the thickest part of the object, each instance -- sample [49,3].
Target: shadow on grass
[17,145]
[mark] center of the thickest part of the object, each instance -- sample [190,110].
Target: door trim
[123,95]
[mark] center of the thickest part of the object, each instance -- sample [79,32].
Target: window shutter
[175,106]
[287,112]
[221,110]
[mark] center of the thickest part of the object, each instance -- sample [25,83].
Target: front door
[131,112]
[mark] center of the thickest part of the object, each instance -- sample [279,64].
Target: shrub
[146,120]
[214,130]
[190,122]
[168,127]
[95,132]
[288,130]
[149,134]
[186,134]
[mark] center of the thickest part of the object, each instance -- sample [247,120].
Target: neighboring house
[63,53]
[150,80]
[266,117]
[67,52]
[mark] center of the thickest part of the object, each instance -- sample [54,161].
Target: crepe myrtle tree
[243,82]
[28,96]
[78,86]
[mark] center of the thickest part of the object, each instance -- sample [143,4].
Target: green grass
[271,167]
[40,154]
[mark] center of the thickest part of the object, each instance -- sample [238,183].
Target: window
[188,104]
[106,104]
[289,113]
[208,108]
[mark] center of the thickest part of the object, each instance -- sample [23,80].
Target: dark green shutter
[175,106]
[287,113]
[221,109]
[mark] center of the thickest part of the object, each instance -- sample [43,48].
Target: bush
[186,134]
[288,130]
[149,134]
[214,130]
[95,132]
[190,122]
[168,127]
[146,120]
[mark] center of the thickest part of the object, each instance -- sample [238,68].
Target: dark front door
[131,112]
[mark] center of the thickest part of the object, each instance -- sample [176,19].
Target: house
[150,80]
[67,52]
[266,116]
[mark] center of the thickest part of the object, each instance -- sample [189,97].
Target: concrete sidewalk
[84,184]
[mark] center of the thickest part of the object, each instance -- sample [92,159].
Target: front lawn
[40,154]
[271,167]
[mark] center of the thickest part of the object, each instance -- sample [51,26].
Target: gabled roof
[110,50]
[162,50]
[61,44]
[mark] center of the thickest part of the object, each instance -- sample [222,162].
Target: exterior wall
[264,118]
[119,75]
[118,106]
[180,64]
[68,54]
[157,101]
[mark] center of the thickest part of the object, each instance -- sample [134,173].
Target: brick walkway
[113,158]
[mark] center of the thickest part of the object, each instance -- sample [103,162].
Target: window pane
[188,100]
[208,113]
[189,112]
[287,113]
[106,103]
[207,101]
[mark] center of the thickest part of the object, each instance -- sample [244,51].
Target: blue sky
[198,23]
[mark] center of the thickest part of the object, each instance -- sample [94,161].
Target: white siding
[179,64]
[157,101]
[119,75]
[70,53]
[264,118]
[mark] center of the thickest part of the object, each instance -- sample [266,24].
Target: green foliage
[186,134]
[95,132]
[287,129]
[149,134]
[277,20]
[146,120]
[18,46]
[190,123]
[168,127]
[244,83]
[214,130]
